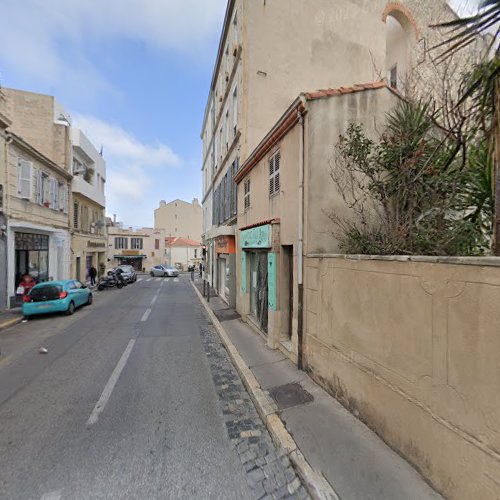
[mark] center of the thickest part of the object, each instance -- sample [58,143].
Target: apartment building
[182,252]
[142,248]
[36,187]
[89,240]
[180,219]
[270,52]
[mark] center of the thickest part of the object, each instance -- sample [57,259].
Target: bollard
[192,275]
[208,291]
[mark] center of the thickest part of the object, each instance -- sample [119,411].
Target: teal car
[56,297]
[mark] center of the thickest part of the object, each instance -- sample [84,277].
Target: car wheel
[100,288]
[90,299]
[152,274]
[71,309]
[119,285]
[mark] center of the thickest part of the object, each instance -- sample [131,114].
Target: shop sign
[256,237]
[96,244]
[225,244]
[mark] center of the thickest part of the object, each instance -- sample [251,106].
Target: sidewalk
[353,459]
[10,317]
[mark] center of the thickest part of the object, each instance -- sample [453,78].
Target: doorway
[287,286]
[78,268]
[258,288]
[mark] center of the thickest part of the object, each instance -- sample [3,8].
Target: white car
[164,271]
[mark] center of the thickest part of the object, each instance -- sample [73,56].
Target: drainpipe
[300,273]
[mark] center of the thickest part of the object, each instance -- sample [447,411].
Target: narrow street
[127,405]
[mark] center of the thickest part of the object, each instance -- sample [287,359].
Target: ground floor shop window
[258,288]
[32,256]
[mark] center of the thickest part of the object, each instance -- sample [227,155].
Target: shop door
[88,265]
[32,256]
[258,289]
[222,278]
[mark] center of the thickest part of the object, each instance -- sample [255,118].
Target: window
[274,173]
[54,194]
[121,243]
[393,77]
[157,244]
[24,179]
[195,253]
[234,190]
[246,198]
[228,128]
[76,215]
[235,110]
[63,198]
[45,189]
[136,243]
[220,143]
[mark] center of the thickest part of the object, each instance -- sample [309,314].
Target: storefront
[136,261]
[32,256]
[258,274]
[37,250]
[226,283]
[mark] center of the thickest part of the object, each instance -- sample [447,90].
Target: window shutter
[277,161]
[65,199]
[39,188]
[25,179]
[229,190]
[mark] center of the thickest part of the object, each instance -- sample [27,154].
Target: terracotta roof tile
[359,87]
[172,241]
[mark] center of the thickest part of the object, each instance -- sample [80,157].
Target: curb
[318,487]
[10,322]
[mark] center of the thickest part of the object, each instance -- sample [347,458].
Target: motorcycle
[111,280]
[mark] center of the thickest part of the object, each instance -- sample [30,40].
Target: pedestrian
[92,275]
[25,286]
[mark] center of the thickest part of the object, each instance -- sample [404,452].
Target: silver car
[164,271]
[170,271]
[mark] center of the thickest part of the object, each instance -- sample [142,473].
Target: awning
[130,257]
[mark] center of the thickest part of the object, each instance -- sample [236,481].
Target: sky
[135,75]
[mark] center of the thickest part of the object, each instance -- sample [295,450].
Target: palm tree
[481,89]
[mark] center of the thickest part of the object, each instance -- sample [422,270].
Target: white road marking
[155,298]
[158,279]
[149,279]
[176,280]
[108,389]
[168,279]
[139,280]
[145,316]
[52,495]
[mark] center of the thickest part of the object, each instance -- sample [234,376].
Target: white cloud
[48,39]
[133,168]
[464,7]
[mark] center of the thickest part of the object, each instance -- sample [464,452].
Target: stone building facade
[37,189]
[179,219]
[89,240]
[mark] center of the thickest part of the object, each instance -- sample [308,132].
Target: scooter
[110,281]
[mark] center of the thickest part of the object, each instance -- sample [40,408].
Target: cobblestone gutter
[269,471]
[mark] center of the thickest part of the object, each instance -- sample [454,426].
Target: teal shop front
[258,277]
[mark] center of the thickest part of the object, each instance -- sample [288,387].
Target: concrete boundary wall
[412,347]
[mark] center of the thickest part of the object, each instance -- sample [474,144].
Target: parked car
[163,270]
[56,296]
[157,271]
[128,273]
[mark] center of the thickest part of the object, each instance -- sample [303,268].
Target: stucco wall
[327,120]
[181,219]
[412,349]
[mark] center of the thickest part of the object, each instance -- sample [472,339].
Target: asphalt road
[122,406]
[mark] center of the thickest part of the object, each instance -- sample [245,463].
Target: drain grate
[226,315]
[290,395]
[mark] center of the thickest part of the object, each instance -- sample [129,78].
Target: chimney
[114,218]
